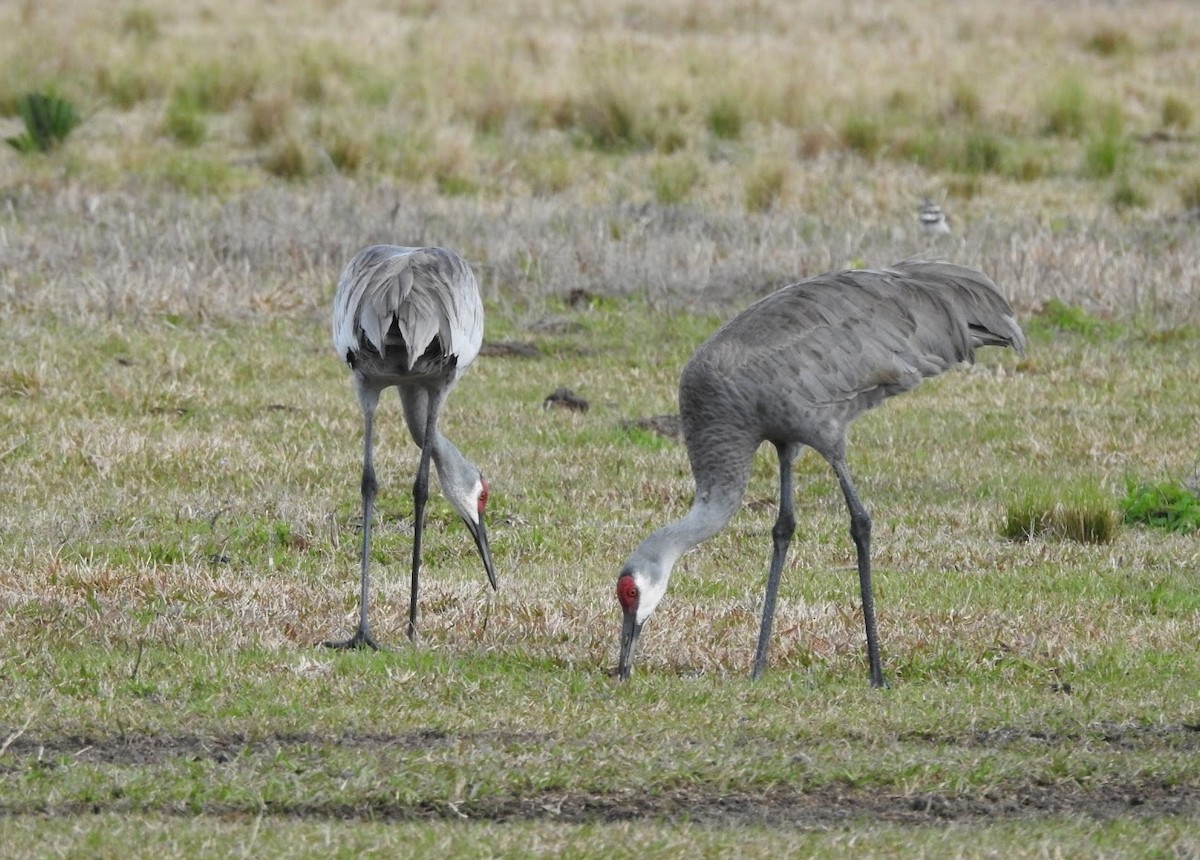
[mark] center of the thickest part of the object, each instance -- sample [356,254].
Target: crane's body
[795,369]
[411,318]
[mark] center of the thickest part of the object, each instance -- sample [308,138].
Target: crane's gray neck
[656,555]
[449,461]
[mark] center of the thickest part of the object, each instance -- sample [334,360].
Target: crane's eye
[627,592]
[483,495]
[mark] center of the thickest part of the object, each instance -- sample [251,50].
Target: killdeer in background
[933,219]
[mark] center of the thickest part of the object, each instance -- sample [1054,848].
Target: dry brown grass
[109,254]
[630,79]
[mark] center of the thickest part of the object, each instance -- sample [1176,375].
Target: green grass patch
[48,119]
[141,23]
[863,134]
[1109,41]
[726,119]
[177,570]
[764,184]
[184,119]
[1082,513]
[1176,113]
[292,158]
[607,120]
[199,174]
[1169,505]
[1066,108]
[1107,149]
[1058,316]
[127,86]
[1127,194]
[218,85]
[674,179]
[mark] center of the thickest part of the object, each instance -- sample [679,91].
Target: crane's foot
[361,639]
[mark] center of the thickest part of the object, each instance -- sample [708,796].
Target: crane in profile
[411,318]
[795,369]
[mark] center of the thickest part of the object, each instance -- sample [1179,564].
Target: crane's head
[638,592]
[468,495]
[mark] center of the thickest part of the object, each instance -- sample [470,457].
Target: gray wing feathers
[430,293]
[989,318]
[863,334]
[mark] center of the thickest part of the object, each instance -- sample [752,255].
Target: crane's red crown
[483,495]
[627,592]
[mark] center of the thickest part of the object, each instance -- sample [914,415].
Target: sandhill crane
[795,369]
[411,318]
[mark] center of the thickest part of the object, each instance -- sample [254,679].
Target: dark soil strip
[829,806]
[138,749]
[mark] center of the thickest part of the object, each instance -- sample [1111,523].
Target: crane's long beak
[630,630]
[479,532]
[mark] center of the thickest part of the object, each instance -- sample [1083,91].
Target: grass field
[179,448]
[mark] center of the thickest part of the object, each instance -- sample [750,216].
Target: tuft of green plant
[546,171]
[1189,192]
[669,137]
[1176,113]
[291,158]
[964,100]
[1127,195]
[48,120]
[673,179]
[1169,505]
[141,22]
[268,117]
[20,383]
[982,153]
[1082,514]
[1028,168]
[863,135]
[454,183]
[1108,41]
[726,119]
[1106,149]
[606,120]
[764,185]
[347,152]
[1103,156]
[218,86]
[184,119]
[126,86]
[1057,315]
[198,175]
[1066,108]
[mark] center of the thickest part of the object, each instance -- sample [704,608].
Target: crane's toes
[358,640]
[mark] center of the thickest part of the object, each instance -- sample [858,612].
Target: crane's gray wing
[864,333]
[410,297]
[971,295]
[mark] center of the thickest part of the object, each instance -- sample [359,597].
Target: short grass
[179,449]
[180,519]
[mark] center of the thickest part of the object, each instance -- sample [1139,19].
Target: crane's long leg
[781,536]
[860,530]
[420,497]
[368,398]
